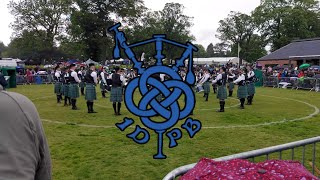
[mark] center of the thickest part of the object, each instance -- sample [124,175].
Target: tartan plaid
[222,92]
[58,88]
[251,89]
[159,98]
[90,93]
[116,94]
[73,91]
[231,86]
[242,92]
[65,90]
[82,85]
[206,87]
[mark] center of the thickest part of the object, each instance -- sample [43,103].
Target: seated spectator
[24,152]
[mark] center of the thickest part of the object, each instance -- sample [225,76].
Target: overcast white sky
[206,13]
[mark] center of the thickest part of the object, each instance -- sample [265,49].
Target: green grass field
[80,152]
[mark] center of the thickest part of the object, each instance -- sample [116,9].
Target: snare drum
[199,88]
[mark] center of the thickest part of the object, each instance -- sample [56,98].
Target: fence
[34,79]
[267,152]
[312,84]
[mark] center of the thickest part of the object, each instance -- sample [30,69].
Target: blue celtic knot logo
[170,92]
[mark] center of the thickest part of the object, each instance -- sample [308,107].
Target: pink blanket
[239,169]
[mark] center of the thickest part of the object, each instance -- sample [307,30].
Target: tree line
[51,30]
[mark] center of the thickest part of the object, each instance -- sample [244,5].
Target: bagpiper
[73,87]
[231,77]
[242,88]
[58,83]
[116,91]
[250,85]
[65,86]
[221,81]
[81,74]
[206,84]
[91,80]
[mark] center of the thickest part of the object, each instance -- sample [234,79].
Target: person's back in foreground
[24,152]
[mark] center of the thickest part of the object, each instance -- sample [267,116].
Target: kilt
[251,89]
[222,92]
[102,86]
[58,88]
[73,91]
[159,98]
[116,94]
[242,92]
[65,91]
[82,85]
[90,93]
[231,86]
[206,87]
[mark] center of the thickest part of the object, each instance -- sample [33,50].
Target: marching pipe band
[68,81]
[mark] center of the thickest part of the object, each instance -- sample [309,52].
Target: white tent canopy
[89,61]
[216,60]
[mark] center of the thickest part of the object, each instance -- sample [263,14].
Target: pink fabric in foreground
[238,169]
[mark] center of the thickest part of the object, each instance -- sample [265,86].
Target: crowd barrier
[312,84]
[280,151]
[34,79]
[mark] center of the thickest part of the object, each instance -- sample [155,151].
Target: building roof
[296,49]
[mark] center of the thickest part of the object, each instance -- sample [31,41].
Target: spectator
[3,82]
[301,74]
[24,152]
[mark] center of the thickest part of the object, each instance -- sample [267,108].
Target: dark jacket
[3,81]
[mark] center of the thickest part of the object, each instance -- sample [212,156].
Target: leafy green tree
[45,18]
[202,53]
[31,45]
[221,50]
[239,29]
[210,50]
[281,21]
[2,49]
[90,20]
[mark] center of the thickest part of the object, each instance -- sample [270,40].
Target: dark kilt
[116,94]
[251,89]
[65,91]
[58,88]
[73,91]
[242,92]
[159,98]
[82,85]
[90,93]
[231,86]
[102,86]
[206,87]
[222,92]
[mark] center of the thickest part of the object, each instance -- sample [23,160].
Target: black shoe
[241,107]
[91,108]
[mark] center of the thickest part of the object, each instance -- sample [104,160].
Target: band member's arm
[75,76]
[217,79]
[57,75]
[103,78]
[240,78]
[95,78]
[122,79]
[231,76]
[250,74]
